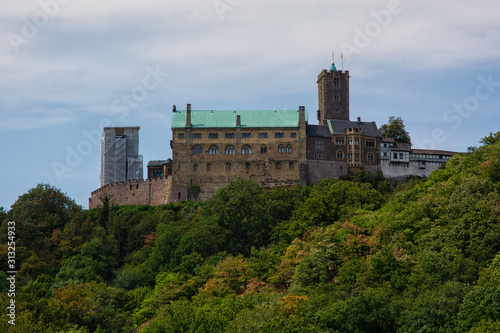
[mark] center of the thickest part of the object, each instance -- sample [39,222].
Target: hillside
[352,255]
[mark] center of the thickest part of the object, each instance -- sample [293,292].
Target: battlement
[151,191]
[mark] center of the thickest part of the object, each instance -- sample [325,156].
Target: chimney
[238,120]
[188,115]
[302,115]
[359,120]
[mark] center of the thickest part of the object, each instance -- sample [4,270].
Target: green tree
[395,129]
[490,139]
[238,212]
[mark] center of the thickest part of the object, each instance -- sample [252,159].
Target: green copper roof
[333,68]
[220,118]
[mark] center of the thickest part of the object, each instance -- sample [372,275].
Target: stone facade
[160,168]
[208,156]
[333,95]
[154,191]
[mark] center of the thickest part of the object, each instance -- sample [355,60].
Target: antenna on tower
[342,58]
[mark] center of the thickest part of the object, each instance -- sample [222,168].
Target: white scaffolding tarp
[120,159]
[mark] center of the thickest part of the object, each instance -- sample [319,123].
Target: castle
[273,147]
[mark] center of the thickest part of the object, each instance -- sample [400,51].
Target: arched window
[230,150]
[289,148]
[340,155]
[281,149]
[197,150]
[228,166]
[336,82]
[292,165]
[278,165]
[247,166]
[263,149]
[195,167]
[213,150]
[246,150]
[336,97]
[209,166]
[369,157]
[213,136]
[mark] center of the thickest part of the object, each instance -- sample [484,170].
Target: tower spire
[332,67]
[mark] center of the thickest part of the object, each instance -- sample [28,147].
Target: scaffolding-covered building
[120,159]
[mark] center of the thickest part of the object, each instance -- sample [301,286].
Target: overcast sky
[70,67]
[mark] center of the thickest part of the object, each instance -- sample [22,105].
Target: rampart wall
[153,191]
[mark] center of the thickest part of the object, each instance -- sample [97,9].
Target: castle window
[179,195]
[401,156]
[356,156]
[339,141]
[336,82]
[247,166]
[213,135]
[197,150]
[161,173]
[340,155]
[213,150]
[209,166]
[263,135]
[293,135]
[230,150]
[278,165]
[130,186]
[263,149]
[289,148]
[229,135]
[228,166]
[336,97]
[246,150]
[279,135]
[350,156]
[137,186]
[395,155]
[369,157]
[181,136]
[196,135]
[337,111]
[370,143]
[246,135]
[281,149]
[319,145]
[350,142]
[356,141]
[195,167]
[292,165]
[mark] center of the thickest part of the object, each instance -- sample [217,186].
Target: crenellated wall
[153,191]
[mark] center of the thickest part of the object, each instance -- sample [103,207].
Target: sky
[70,67]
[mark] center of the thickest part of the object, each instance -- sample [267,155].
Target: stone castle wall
[154,191]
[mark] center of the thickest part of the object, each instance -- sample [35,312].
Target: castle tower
[333,94]
[120,159]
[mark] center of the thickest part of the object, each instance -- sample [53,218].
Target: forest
[359,254]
